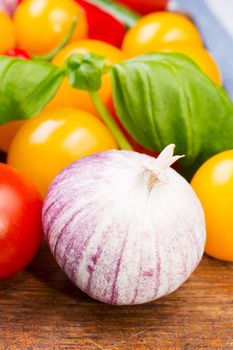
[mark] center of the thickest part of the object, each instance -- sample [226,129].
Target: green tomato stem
[48,57]
[110,122]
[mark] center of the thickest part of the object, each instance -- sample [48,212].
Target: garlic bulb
[125,227]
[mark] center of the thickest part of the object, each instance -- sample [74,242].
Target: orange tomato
[7,133]
[213,184]
[7,35]
[51,141]
[199,55]
[155,29]
[69,97]
[40,25]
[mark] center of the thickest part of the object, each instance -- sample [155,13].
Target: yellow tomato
[7,35]
[213,184]
[51,141]
[7,133]
[155,29]
[69,97]
[199,55]
[41,25]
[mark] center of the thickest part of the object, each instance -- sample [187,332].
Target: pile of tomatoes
[70,127]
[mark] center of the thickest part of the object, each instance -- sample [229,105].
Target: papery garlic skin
[8,6]
[116,240]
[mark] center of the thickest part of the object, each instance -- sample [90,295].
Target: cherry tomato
[41,25]
[69,97]
[153,30]
[17,53]
[49,142]
[199,55]
[7,133]
[7,35]
[145,6]
[213,184]
[20,221]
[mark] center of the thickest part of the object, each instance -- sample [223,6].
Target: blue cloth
[216,30]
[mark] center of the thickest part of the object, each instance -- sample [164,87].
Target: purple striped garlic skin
[118,239]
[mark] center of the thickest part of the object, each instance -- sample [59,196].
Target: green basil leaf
[165,98]
[122,13]
[85,71]
[26,87]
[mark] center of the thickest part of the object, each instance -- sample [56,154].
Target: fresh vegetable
[48,57]
[28,87]
[17,53]
[135,145]
[8,6]
[20,217]
[69,97]
[163,98]
[145,6]
[41,25]
[7,35]
[199,55]
[125,227]
[160,98]
[7,133]
[49,142]
[122,13]
[213,183]
[8,130]
[115,18]
[156,29]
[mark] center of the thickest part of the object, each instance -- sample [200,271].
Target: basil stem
[110,123]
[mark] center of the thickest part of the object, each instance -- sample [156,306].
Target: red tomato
[20,221]
[145,6]
[18,53]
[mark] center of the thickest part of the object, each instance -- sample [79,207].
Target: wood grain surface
[41,309]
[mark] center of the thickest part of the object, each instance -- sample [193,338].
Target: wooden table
[41,309]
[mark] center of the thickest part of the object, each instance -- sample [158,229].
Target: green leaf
[85,71]
[26,87]
[165,98]
[122,13]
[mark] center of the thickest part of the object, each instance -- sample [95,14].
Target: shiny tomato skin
[17,53]
[49,142]
[159,28]
[213,183]
[20,221]
[96,16]
[70,97]
[199,55]
[41,25]
[7,34]
[145,6]
[7,133]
